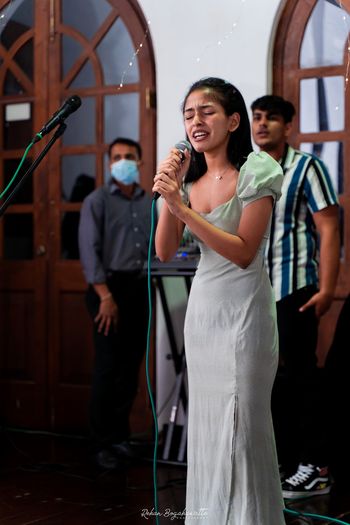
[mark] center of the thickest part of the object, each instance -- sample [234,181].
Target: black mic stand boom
[32,167]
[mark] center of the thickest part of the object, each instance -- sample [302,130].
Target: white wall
[181,32]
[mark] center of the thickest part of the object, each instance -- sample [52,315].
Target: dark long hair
[239,145]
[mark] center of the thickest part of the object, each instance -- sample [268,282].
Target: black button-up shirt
[114,232]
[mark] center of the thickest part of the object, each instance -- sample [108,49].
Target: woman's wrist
[182,212]
[105,297]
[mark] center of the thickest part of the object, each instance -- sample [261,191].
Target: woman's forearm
[240,248]
[168,235]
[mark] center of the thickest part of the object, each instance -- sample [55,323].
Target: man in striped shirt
[302,259]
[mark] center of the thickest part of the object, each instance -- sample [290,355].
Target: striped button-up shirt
[292,249]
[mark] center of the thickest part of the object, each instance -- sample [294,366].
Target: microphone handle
[156,195]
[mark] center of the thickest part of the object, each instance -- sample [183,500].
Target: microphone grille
[183,145]
[75,102]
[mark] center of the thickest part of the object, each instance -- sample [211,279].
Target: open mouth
[199,135]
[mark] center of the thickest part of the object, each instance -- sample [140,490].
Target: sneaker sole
[293,494]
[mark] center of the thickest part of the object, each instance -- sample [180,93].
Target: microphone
[181,148]
[69,106]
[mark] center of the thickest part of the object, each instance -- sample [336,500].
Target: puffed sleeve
[259,176]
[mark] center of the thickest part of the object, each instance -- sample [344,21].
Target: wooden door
[23,266]
[47,364]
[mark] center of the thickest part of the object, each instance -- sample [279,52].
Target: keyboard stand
[186,270]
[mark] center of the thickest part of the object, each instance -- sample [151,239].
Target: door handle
[41,250]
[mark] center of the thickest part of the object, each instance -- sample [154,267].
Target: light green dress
[231,344]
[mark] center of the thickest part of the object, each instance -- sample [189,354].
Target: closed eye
[204,113]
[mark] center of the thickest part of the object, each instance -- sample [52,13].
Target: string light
[3,15]
[3,21]
[198,58]
[132,60]
[220,43]
[226,36]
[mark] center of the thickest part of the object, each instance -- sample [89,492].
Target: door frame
[286,78]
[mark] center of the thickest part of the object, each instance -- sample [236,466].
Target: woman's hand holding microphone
[170,172]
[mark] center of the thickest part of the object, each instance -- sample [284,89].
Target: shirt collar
[288,156]
[114,189]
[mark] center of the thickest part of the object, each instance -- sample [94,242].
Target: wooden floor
[48,479]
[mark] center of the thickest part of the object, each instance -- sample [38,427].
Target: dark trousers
[299,401]
[337,367]
[117,358]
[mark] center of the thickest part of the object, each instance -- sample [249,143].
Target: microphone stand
[32,167]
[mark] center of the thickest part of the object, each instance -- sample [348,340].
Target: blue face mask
[125,171]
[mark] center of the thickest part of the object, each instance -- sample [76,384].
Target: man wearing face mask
[114,234]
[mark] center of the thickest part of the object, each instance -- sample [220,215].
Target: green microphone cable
[19,166]
[315,516]
[155,488]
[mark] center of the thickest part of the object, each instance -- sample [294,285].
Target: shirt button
[138,262]
[134,214]
[136,229]
[138,245]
